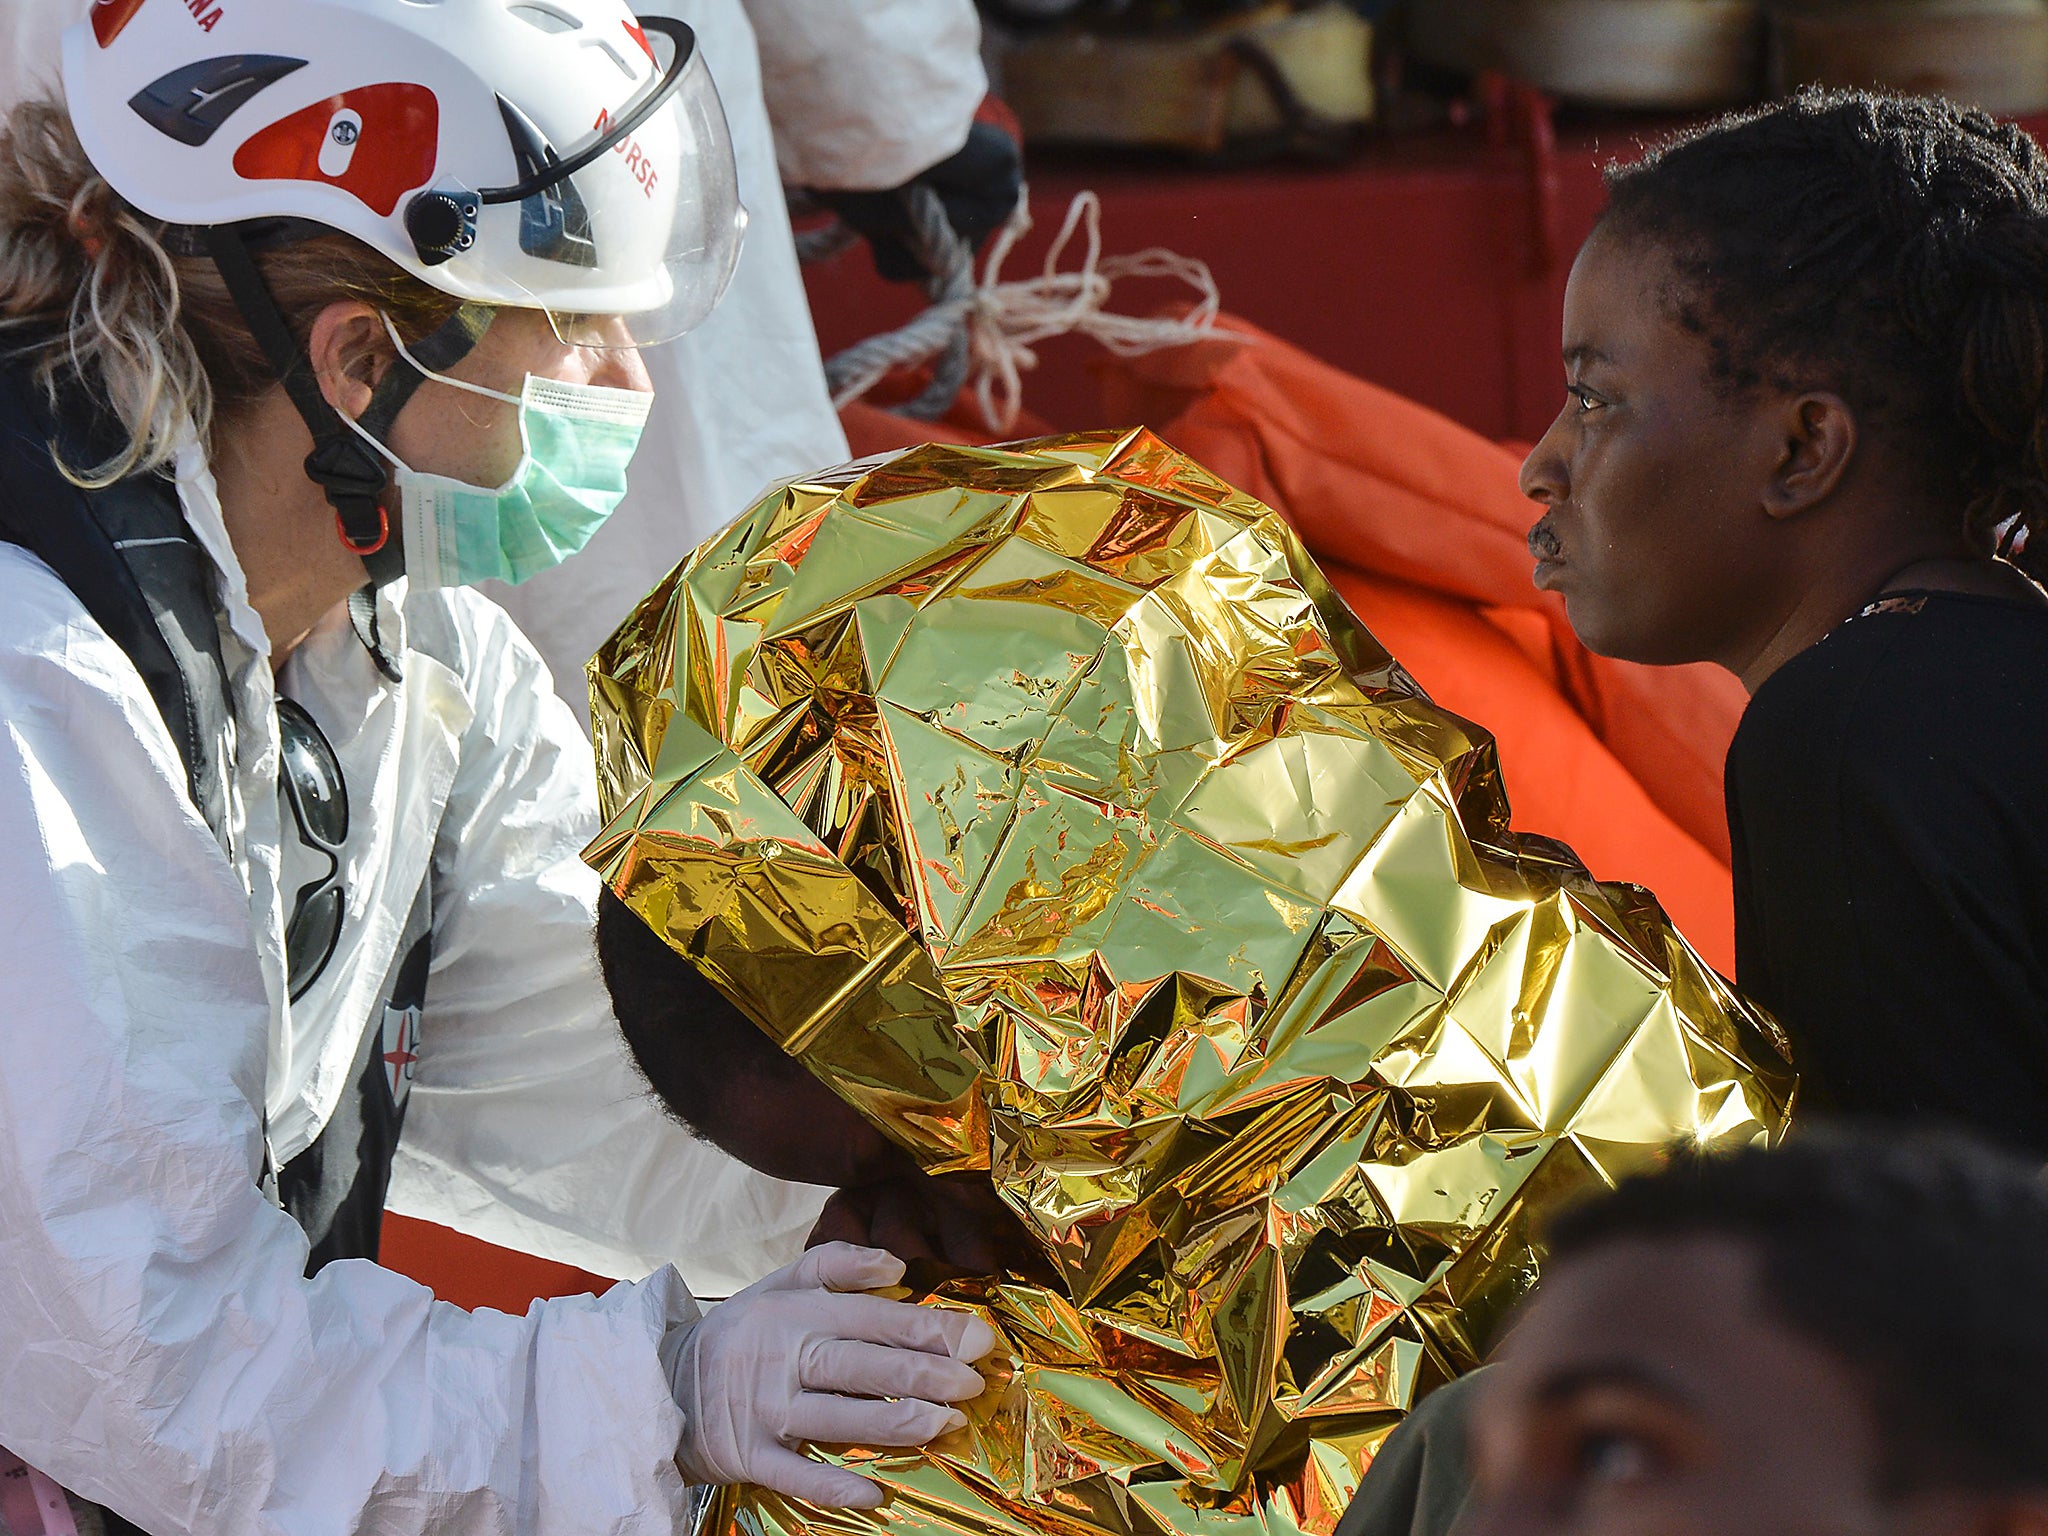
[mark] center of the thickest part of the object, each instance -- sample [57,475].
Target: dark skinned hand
[955,1223]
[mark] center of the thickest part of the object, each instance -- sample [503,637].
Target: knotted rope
[985,332]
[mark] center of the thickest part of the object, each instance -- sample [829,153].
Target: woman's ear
[1819,441]
[349,351]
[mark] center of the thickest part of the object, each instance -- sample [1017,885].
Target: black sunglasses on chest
[310,785]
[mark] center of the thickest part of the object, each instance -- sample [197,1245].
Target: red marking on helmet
[639,164]
[205,12]
[639,35]
[110,16]
[394,152]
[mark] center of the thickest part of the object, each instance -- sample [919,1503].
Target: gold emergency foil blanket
[1048,803]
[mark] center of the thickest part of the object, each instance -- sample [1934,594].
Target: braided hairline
[1891,249]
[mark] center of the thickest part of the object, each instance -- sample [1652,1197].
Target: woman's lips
[1547,551]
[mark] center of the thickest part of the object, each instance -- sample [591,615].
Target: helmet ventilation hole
[546,17]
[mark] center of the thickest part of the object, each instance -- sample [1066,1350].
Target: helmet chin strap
[355,480]
[441,349]
[339,464]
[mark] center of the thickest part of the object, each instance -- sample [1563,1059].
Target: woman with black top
[1806,438]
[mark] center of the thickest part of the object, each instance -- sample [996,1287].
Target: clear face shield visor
[628,238]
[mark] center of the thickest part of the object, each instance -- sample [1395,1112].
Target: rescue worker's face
[476,440]
[1649,1390]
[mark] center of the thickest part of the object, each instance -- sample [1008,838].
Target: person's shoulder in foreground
[1891,867]
[1421,1480]
[1840,1336]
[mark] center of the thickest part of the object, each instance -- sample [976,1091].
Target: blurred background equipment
[1273,76]
[1990,53]
[1670,55]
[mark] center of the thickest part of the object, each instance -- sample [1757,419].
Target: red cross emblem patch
[401,1050]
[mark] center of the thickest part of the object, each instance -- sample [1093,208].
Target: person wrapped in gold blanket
[1028,841]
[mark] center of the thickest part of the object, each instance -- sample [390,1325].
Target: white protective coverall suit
[150,1295]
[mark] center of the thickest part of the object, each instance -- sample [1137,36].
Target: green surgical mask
[578,439]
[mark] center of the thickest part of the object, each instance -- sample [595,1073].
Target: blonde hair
[89,290]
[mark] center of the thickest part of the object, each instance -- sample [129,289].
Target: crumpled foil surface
[1050,806]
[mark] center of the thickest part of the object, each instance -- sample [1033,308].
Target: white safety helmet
[530,153]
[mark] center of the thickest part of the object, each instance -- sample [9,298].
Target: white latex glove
[794,1358]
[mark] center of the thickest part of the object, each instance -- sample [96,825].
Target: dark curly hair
[688,1042]
[1891,249]
[1919,1261]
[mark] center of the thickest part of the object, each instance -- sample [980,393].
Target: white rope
[1003,322]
